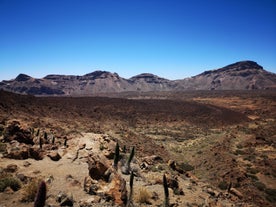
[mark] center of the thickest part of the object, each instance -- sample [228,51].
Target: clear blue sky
[170,38]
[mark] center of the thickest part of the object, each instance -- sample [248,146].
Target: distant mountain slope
[244,75]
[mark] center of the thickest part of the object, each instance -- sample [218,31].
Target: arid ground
[217,148]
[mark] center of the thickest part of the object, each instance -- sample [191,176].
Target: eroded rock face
[97,168]
[54,156]
[15,132]
[117,189]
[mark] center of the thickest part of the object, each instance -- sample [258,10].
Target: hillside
[217,148]
[245,75]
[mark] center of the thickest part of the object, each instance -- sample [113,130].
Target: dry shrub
[154,179]
[30,190]
[143,196]
[11,182]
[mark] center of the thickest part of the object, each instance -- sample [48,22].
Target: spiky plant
[53,140]
[130,157]
[40,142]
[117,155]
[41,195]
[37,133]
[166,191]
[65,142]
[129,202]
[45,135]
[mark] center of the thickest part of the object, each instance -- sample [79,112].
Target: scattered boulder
[90,186]
[54,155]
[64,200]
[23,178]
[117,190]
[20,152]
[151,160]
[36,153]
[97,168]
[26,164]
[11,168]
[15,132]
[90,202]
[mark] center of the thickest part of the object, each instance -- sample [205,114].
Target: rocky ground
[215,148]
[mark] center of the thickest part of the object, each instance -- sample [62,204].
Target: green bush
[11,182]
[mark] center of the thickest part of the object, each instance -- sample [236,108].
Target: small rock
[64,199]
[212,192]
[11,168]
[90,202]
[150,160]
[82,146]
[54,156]
[22,177]
[50,179]
[67,201]
[26,164]
[8,190]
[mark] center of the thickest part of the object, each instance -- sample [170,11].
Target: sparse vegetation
[30,190]
[9,181]
[143,196]
[155,128]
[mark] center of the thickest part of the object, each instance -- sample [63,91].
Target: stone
[117,190]
[36,153]
[23,178]
[26,164]
[54,156]
[19,152]
[11,168]
[151,160]
[15,132]
[97,168]
[64,200]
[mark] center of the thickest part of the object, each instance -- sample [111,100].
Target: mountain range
[244,75]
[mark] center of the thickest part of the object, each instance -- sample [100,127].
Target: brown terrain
[217,148]
[243,75]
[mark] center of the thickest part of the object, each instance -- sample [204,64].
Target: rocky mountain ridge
[244,75]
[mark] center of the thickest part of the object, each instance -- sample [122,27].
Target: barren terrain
[218,146]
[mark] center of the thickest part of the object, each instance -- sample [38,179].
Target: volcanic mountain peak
[242,75]
[22,77]
[238,66]
[242,65]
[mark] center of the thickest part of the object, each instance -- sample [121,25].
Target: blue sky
[170,38]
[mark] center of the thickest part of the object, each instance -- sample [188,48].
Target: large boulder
[20,152]
[97,168]
[117,190]
[15,132]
